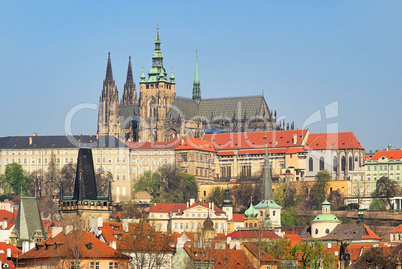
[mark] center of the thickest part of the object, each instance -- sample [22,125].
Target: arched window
[246,224]
[335,164]
[321,163]
[310,164]
[273,213]
[343,163]
[350,163]
[255,224]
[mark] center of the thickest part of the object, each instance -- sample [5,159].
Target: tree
[243,191]
[319,189]
[290,217]
[68,178]
[52,178]
[377,205]
[312,253]
[386,188]
[147,247]
[285,195]
[217,196]
[130,210]
[335,198]
[375,257]
[102,179]
[14,180]
[38,183]
[169,184]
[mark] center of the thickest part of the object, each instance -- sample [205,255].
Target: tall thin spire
[196,83]
[109,72]
[129,78]
[267,178]
[130,93]
[157,61]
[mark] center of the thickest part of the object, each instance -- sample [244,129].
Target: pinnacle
[109,72]
[129,78]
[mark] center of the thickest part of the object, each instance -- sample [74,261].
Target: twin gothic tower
[132,119]
[159,115]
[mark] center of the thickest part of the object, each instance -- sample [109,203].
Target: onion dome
[251,213]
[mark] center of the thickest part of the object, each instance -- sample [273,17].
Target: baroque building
[159,115]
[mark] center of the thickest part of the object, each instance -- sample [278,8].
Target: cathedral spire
[129,78]
[130,93]
[109,72]
[196,83]
[267,178]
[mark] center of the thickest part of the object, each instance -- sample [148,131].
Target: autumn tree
[38,183]
[52,177]
[147,247]
[169,184]
[336,199]
[386,188]
[14,180]
[313,253]
[375,258]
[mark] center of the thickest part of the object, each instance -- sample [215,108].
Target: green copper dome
[251,213]
[327,218]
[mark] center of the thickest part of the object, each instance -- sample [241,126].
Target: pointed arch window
[343,163]
[335,164]
[350,163]
[321,163]
[310,164]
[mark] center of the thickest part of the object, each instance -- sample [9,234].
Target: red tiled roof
[199,203]
[221,258]
[111,231]
[371,234]
[172,144]
[345,140]
[252,234]
[4,260]
[196,144]
[238,218]
[14,250]
[389,154]
[9,217]
[397,229]
[265,257]
[252,140]
[62,245]
[294,238]
[166,208]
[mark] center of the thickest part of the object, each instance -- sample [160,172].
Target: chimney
[30,140]
[34,134]
[97,136]
[113,244]
[294,139]
[124,225]
[329,245]
[192,201]
[8,253]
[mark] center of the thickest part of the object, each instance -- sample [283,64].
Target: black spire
[109,72]
[129,79]
[85,183]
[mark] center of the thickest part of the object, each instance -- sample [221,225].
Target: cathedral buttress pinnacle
[130,93]
[196,83]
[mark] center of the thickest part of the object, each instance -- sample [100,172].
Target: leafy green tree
[14,180]
[242,193]
[169,184]
[217,196]
[386,188]
[290,217]
[377,205]
[279,249]
[285,195]
[313,254]
[319,189]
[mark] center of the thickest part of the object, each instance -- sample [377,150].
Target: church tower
[108,114]
[130,93]
[156,97]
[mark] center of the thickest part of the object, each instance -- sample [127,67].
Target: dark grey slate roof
[85,183]
[349,231]
[231,107]
[52,141]
[28,219]
[128,111]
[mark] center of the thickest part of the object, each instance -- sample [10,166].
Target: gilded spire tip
[157,26]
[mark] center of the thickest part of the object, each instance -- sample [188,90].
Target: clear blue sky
[304,55]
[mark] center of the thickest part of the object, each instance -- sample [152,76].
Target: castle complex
[159,115]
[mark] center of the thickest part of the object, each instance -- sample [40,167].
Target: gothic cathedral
[159,115]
